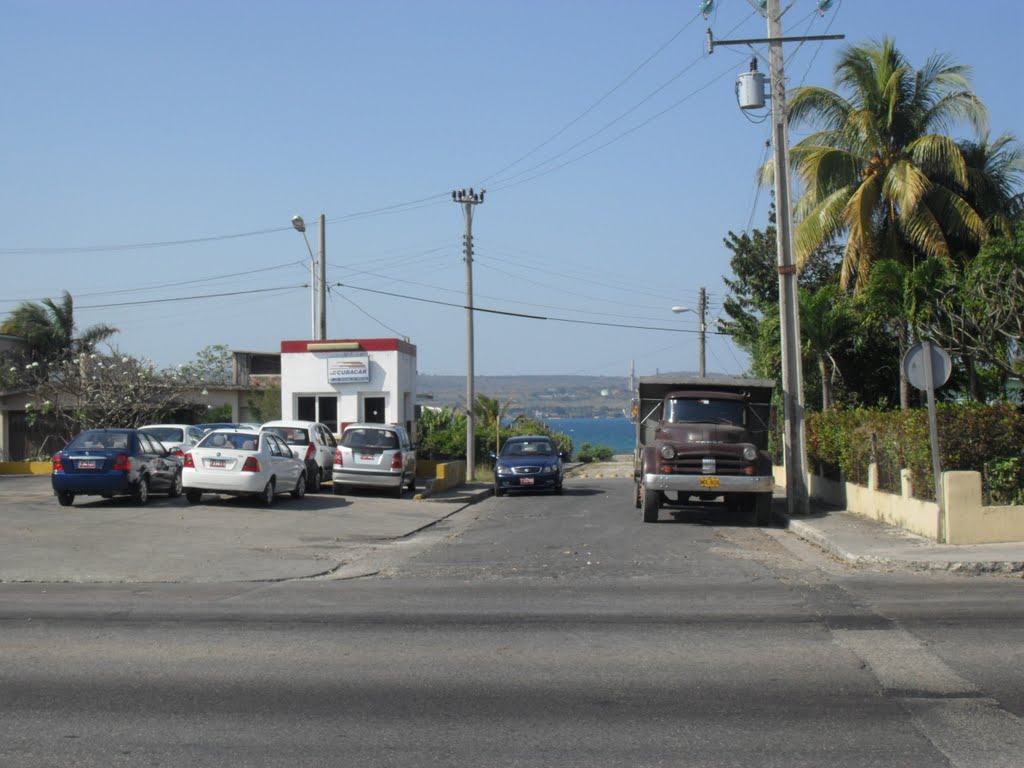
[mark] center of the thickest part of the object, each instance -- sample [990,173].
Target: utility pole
[469,198]
[323,278]
[702,307]
[794,449]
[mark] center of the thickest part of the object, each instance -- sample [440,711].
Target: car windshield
[166,434]
[99,440]
[291,435]
[704,411]
[238,441]
[528,448]
[369,439]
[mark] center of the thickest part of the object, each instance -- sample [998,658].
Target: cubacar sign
[348,367]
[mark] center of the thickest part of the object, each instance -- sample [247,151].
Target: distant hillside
[540,396]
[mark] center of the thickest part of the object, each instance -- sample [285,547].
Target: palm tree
[995,174]
[490,411]
[880,170]
[49,330]
[826,322]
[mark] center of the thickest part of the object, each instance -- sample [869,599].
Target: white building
[343,381]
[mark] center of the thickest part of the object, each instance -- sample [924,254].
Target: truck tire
[763,509]
[651,504]
[636,495]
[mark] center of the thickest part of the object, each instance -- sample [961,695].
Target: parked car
[242,463]
[375,456]
[528,463]
[115,462]
[175,437]
[313,443]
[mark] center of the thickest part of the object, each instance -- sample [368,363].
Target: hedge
[972,436]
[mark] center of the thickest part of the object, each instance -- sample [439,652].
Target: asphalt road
[526,631]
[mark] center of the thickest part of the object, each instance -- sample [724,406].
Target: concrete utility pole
[702,308]
[300,226]
[469,198]
[789,308]
[323,277]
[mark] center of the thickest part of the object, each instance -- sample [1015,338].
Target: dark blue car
[528,463]
[115,462]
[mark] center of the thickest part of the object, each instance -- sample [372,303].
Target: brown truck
[703,437]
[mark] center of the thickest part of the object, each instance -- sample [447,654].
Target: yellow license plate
[709,482]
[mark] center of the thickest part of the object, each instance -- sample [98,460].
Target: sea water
[619,434]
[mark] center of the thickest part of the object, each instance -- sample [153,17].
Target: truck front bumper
[712,484]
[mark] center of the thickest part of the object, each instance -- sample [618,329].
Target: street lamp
[300,225]
[702,304]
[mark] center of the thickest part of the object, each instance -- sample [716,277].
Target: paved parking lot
[221,539]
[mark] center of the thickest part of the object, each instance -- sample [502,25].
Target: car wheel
[313,486]
[194,497]
[398,490]
[558,489]
[412,484]
[498,490]
[141,493]
[267,497]
[175,491]
[337,488]
[300,487]
[65,498]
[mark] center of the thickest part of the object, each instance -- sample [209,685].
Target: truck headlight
[750,453]
[667,452]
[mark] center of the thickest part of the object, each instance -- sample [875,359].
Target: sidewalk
[862,541]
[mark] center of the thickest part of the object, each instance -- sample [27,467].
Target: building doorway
[373,410]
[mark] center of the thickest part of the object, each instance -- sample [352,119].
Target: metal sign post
[928,365]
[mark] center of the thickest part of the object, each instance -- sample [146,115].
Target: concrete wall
[967,519]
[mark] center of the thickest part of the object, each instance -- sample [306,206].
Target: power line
[589,109]
[520,314]
[190,298]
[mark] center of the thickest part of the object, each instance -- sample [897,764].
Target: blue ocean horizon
[619,434]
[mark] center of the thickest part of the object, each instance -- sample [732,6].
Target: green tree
[827,323]
[489,411]
[880,170]
[265,403]
[49,331]
[211,365]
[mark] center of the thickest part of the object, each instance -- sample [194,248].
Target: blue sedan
[115,462]
[528,463]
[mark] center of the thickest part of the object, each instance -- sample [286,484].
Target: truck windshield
[704,411]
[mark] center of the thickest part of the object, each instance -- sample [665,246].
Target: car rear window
[99,440]
[381,439]
[238,441]
[291,435]
[167,434]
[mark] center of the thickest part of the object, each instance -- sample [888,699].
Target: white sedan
[240,462]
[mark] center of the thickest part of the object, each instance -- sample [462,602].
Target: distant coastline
[617,433]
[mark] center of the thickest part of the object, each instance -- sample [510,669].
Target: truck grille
[694,465]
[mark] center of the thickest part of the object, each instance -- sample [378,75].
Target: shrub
[588,453]
[970,435]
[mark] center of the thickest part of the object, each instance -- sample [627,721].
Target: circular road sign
[914,362]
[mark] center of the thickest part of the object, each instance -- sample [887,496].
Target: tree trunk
[904,335]
[826,384]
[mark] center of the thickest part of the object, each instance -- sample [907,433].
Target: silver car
[375,456]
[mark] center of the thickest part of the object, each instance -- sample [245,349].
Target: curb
[811,534]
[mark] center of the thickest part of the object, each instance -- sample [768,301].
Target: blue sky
[156,152]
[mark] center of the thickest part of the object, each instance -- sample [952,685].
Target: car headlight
[750,453]
[501,469]
[668,452]
[550,469]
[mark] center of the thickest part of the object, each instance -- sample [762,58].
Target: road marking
[969,728]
